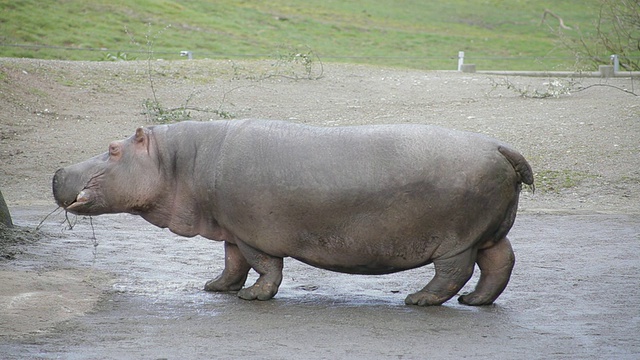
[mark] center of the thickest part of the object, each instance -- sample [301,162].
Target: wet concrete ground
[573,294]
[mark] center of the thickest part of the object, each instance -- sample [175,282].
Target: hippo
[368,199]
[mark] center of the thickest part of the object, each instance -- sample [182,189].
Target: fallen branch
[607,85]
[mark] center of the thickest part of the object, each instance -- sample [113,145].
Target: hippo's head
[125,179]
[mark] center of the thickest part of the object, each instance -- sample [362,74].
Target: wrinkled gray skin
[362,199]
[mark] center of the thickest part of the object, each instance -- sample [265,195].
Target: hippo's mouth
[81,201]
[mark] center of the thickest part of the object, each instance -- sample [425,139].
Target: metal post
[616,63]
[460,60]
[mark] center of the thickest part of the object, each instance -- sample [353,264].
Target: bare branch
[549,12]
[607,85]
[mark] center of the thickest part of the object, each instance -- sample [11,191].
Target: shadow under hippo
[361,199]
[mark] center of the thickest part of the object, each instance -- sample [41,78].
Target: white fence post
[460,60]
[616,63]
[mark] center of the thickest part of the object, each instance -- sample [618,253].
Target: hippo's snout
[76,187]
[61,193]
[67,187]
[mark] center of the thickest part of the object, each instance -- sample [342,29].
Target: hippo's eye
[114,150]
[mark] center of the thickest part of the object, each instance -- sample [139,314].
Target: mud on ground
[126,289]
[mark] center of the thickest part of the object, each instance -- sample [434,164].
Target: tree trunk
[5,216]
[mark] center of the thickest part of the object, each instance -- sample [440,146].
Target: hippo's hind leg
[495,263]
[235,271]
[451,275]
[270,270]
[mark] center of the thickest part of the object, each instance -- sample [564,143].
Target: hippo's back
[372,157]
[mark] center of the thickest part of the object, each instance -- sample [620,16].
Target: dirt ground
[117,287]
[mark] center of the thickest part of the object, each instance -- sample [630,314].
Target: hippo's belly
[367,254]
[362,264]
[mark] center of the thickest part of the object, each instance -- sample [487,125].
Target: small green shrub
[554,88]
[159,114]
[288,62]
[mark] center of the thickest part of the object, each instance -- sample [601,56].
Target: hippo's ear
[141,138]
[140,135]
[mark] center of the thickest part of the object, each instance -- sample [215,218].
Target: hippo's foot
[423,298]
[451,275]
[270,270]
[495,265]
[258,292]
[220,284]
[236,269]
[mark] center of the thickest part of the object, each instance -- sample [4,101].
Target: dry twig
[544,16]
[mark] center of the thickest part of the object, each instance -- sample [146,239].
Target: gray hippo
[360,199]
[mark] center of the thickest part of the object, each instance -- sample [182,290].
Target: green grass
[408,33]
[557,180]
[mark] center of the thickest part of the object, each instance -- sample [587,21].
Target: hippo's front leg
[235,271]
[270,270]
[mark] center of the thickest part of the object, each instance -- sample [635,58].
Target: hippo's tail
[522,167]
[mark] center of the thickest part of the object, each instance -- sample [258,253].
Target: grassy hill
[495,34]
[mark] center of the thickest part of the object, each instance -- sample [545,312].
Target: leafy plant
[297,65]
[158,113]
